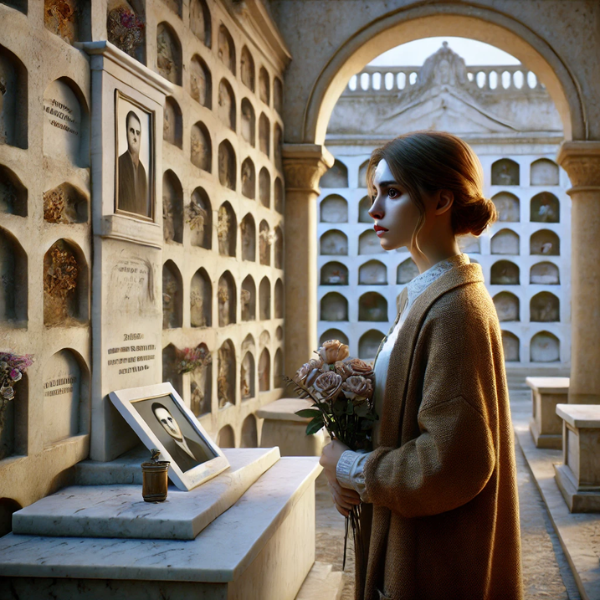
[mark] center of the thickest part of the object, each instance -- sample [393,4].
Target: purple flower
[15,375]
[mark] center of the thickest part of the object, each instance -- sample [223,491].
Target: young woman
[440,514]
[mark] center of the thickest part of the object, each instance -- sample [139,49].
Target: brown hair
[427,161]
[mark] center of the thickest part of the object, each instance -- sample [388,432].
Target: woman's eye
[393,193]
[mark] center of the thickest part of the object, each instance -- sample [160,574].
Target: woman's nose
[376,212]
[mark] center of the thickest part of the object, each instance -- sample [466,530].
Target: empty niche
[201,147]
[278,146]
[507,306]
[279,300]
[126,27]
[334,273]
[199,219]
[469,243]
[278,247]
[373,272]
[334,334]
[544,273]
[248,125]
[65,204]
[264,187]
[200,21]
[249,433]
[65,285]
[505,172]
[247,68]
[363,210]
[264,243]
[65,123]
[264,371]
[68,19]
[334,243]
[170,373]
[247,372]
[544,241]
[168,53]
[20,5]
[174,5]
[507,206]
[544,172]
[13,422]
[66,397]
[504,272]
[279,333]
[248,231]
[278,373]
[544,306]
[226,106]
[227,166]
[335,177]
[227,299]
[368,243]
[226,50]
[362,175]
[201,300]
[544,347]
[334,307]
[13,281]
[368,344]
[200,82]
[226,230]
[510,347]
[334,209]
[172,123]
[13,100]
[172,296]
[505,241]
[13,194]
[248,179]
[248,299]
[226,375]
[201,385]
[278,95]
[372,307]
[172,208]
[264,299]
[264,86]
[264,134]
[545,208]
[278,195]
[226,437]
[407,271]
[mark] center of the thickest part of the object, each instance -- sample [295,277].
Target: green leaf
[362,410]
[314,426]
[339,407]
[309,413]
[349,407]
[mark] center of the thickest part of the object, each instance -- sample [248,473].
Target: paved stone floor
[546,573]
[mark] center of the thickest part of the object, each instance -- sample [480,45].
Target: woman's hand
[344,498]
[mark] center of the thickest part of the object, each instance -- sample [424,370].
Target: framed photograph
[134,158]
[161,420]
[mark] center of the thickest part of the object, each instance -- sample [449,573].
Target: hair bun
[476,216]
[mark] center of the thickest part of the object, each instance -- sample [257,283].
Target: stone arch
[65,204]
[334,307]
[333,334]
[544,307]
[248,299]
[544,242]
[505,272]
[201,385]
[544,347]
[248,179]
[544,172]
[13,274]
[226,374]
[168,53]
[279,299]
[13,194]
[249,433]
[369,343]
[201,299]
[247,68]
[407,271]
[507,306]
[334,209]
[226,49]
[335,177]
[227,230]
[363,210]
[200,22]
[264,299]
[200,82]
[508,207]
[226,294]
[544,273]
[278,195]
[278,372]
[226,437]
[247,376]
[368,243]
[201,147]
[264,243]
[264,86]
[264,187]
[372,306]
[505,241]
[264,134]
[277,94]
[334,273]
[227,165]
[226,105]
[278,247]
[170,373]
[511,347]
[264,371]
[545,208]
[172,122]
[362,174]
[278,146]
[172,296]
[506,172]
[373,272]
[334,243]
[172,208]
[13,117]
[199,219]
[248,122]
[248,228]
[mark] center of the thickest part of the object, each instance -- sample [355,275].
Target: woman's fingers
[339,499]
[342,511]
[348,495]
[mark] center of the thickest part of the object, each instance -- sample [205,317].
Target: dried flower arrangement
[191,359]
[197,216]
[60,279]
[12,367]
[125,29]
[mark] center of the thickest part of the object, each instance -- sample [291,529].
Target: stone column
[581,161]
[303,166]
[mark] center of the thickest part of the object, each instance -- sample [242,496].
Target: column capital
[581,161]
[303,166]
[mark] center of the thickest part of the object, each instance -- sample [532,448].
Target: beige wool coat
[442,517]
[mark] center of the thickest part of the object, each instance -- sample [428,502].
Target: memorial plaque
[62,122]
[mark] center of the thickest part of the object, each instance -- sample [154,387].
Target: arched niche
[279,333]
[248,228]
[368,344]
[545,208]
[172,123]
[13,422]
[21,6]
[469,244]
[407,271]
[368,243]
[13,274]
[172,296]
[508,207]
[545,242]
[334,334]
[200,23]
[362,175]
[249,433]
[278,247]
[248,299]
[170,372]
[504,272]
[264,134]
[201,147]
[13,194]
[248,124]
[335,177]
[334,243]
[278,95]
[248,179]
[226,230]
[226,437]
[13,113]
[200,82]
[279,301]
[544,172]
[334,307]
[544,273]
[247,68]
[264,299]
[226,49]
[68,19]
[227,299]
[544,347]
[507,306]
[373,272]
[278,195]
[226,106]
[175,6]
[126,27]
[168,53]
[247,376]
[264,86]
[201,299]
[66,123]
[264,371]
[66,411]
[334,273]
[278,146]
[199,219]
[278,372]
[65,204]
[227,165]
[8,506]
[372,307]
[505,241]
[505,172]
[511,347]
[363,210]
[264,187]
[172,208]
[264,243]
[334,209]
[226,375]
[201,385]
[544,307]
[66,287]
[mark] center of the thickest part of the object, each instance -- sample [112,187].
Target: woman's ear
[444,201]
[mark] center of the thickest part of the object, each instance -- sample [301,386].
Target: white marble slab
[580,415]
[284,410]
[549,385]
[120,511]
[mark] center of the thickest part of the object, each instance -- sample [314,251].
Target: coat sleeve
[453,457]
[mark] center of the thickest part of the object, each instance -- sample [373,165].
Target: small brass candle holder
[155,479]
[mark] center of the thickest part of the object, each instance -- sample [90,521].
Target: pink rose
[332,351]
[328,384]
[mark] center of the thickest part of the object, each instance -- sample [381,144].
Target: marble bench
[545,424]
